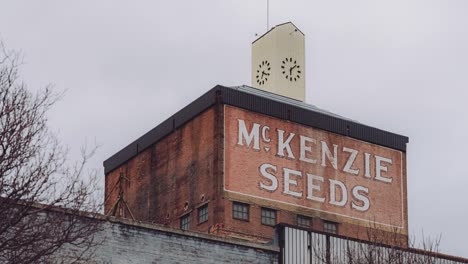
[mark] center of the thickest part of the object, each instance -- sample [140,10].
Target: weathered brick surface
[242,178]
[255,231]
[185,170]
[171,178]
[127,244]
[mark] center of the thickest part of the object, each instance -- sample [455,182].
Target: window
[185,222]
[268,217]
[240,211]
[303,221]
[330,227]
[203,214]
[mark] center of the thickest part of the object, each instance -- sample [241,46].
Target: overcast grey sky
[399,65]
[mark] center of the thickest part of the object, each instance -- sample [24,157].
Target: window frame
[182,223]
[328,230]
[202,213]
[241,212]
[264,218]
[304,218]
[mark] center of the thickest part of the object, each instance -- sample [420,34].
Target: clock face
[263,72]
[291,70]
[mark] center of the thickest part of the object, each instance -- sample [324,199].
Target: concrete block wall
[133,243]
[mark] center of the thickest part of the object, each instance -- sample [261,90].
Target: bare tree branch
[41,196]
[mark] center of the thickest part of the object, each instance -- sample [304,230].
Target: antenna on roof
[268,15]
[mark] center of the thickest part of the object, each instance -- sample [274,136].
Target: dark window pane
[303,221]
[240,211]
[268,217]
[330,227]
[185,222]
[203,214]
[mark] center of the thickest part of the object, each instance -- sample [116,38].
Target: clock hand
[291,69]
[263,73]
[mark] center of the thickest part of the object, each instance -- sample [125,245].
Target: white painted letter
[264,135]
[311,187]
[254,135]
[284,144]
[379,168]
[349,164]
[367,165]
[305,149]
[344,193]
[326,153]
[269,176]
[288,181]
[364,199]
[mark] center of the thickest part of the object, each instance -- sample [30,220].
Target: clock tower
[278,62]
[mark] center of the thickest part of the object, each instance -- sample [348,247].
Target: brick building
[239,160]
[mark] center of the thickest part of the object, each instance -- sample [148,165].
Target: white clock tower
[278,62]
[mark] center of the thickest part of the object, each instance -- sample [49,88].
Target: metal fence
[300,246]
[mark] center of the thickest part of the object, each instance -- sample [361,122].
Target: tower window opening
[330,227]
[303,221]
[185,222]
[203,214]
[240,211]
[268,216]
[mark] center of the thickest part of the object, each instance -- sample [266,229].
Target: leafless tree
[42,197]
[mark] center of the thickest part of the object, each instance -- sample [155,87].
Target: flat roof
[263,102]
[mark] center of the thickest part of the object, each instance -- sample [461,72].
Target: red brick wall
[178,170]
[254,230]
[187,166]
[242,177]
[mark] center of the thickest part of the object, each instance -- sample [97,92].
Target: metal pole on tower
[268,15]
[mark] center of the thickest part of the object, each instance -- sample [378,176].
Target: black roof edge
[163,129]
[262,105]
